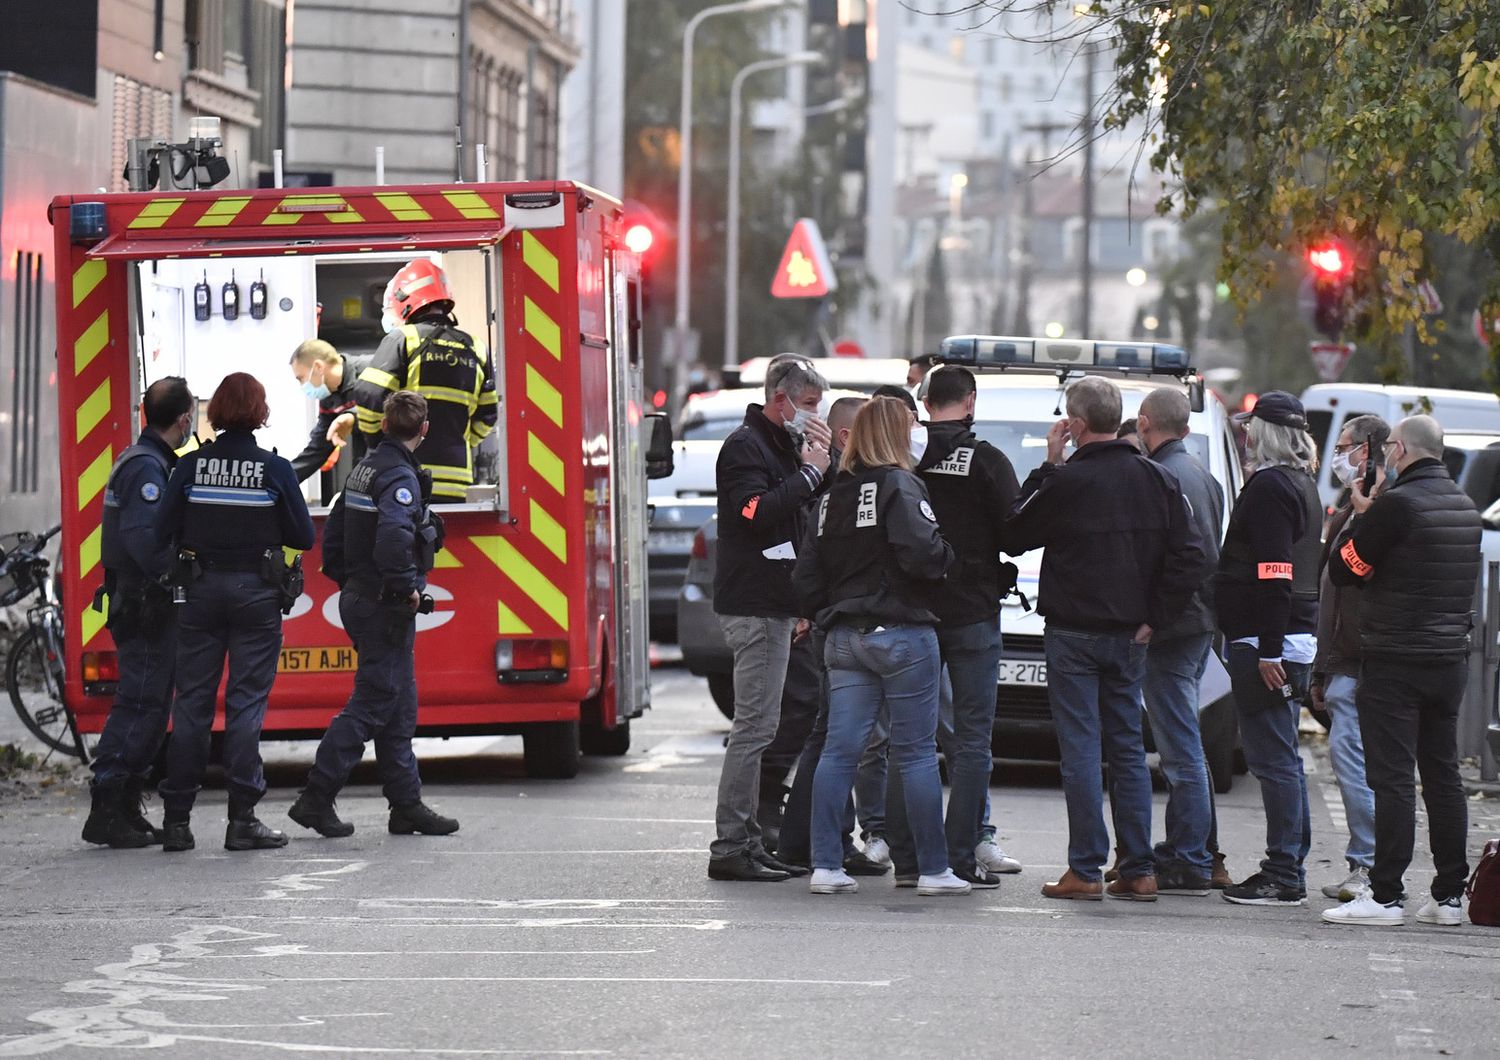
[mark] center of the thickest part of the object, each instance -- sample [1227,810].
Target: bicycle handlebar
[50,534]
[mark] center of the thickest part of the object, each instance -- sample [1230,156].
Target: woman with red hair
[234,506]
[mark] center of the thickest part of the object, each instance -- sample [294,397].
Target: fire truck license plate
[1016,672]
[316,660]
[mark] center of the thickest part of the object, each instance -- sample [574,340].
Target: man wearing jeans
[1123,558]
[1415,551]
[767,471]
[1177,657]
[1336,671]
[972,487]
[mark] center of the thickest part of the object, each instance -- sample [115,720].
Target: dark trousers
[801,695]
[795,844]
[383,706]
[234,616]
[137,720]
[1408,717]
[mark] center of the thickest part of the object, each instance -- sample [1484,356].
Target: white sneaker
[946,883]
[989,854]
[1350,888]
[1447,913]
[832,881]
[878,850]
[1367,912]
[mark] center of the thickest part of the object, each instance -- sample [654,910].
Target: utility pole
[1086,265]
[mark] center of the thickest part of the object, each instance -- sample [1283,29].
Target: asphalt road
[575,918]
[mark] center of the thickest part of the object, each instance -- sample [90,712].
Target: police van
[1021,383]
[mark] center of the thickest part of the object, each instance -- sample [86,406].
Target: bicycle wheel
[26,674]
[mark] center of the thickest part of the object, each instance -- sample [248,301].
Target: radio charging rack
[1068,358]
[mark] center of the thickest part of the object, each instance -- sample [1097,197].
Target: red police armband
[1274,572]
[1351,560]
[748,511]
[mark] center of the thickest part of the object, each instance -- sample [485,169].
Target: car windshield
[715,430]
[1025,442]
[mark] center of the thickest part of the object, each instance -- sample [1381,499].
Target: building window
[1006,87]
[140,112]
[495,114]
[543,139]
[26,375]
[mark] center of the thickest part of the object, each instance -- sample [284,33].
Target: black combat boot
[133,808]
[107,825]
[315,810]
[245,832]
[175,833]
[415,817]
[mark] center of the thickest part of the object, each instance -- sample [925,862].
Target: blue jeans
[233,616]
[137,721]
[1094,687]
[1173,670]
[1268,730]
[895,666]
[1347,750]
[972,655]
[382,707]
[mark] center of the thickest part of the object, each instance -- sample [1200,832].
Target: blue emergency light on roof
[989,351]
[86,222]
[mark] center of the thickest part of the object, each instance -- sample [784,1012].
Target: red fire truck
[540,624]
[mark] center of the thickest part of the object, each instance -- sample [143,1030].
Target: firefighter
[328,377]
[427,353]
[141,619]
[378,545]
[230,508]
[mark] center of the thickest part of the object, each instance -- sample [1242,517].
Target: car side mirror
[658,445]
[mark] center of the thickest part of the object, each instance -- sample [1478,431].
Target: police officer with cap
[379,545]
[230,508]
[141,619]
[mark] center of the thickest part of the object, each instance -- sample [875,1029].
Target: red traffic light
[1329,259]
[639,237]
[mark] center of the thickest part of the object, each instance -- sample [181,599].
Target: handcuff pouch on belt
[286,578]
[142,608]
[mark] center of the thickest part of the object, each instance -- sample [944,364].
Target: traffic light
[1332,268]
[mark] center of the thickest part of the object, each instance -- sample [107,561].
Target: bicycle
[34,670]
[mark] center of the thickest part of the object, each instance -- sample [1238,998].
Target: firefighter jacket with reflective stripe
[380,537]
[873,553]
[1267,585]
[972,486]
[439,362]
[231,500]
[132,497]
[318,449]
[1416,555]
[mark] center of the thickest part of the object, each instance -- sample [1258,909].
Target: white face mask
[1344,468]
[918,441]
[798,423]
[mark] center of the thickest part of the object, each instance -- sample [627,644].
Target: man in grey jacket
[1176,659]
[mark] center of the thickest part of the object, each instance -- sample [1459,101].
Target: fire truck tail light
[531,660]
[100,666]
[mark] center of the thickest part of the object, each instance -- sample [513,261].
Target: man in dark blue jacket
[379,545]
[142,619]
[767,471]
[1123,558]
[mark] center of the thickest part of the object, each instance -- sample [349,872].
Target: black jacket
[1416,552]
[763,489]
[1122,549]
[972,488]
[318,449]
[1338,612]
[1206,499]
[873,552]
[1267,585]
[380,537]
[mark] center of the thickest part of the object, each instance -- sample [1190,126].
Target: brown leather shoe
[1070,886]
[1112,873]
[1220,877]
[1135,889]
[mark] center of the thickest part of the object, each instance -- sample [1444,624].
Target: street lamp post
[732,235]
[685,175]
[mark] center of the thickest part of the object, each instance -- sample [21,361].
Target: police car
[1020,391]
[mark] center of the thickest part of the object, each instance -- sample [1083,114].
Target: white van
[1330,405]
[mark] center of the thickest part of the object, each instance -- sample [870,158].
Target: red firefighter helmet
[417,285]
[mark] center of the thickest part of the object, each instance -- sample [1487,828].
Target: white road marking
[300,950]
[709,980]
[467,923]
[304,882]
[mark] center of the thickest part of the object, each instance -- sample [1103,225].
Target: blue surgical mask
[317,391]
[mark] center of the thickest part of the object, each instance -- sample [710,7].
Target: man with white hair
[1414,550]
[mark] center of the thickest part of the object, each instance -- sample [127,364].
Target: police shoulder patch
[927,511]
[403,495]
[150,492]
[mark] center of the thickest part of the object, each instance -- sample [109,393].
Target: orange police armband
[1351,559]
[748,511]
[1274,572]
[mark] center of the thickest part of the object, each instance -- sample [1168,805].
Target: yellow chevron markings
[222,212]
[548,531]
[86,277]
[348,215]
[544,329]
[402,206]
[446,560]
[471,204]
[94,408]
[545,462]
[539,259]
[156,213]
[91,482]
[93,621]
[544,395]
[531,581]
[90,550]
[510,622]
[90,343]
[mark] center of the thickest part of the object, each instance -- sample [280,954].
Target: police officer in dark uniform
[868,568]
[141,619]
[230,508]
[379,545]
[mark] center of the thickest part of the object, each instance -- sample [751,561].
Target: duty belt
[231,564]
